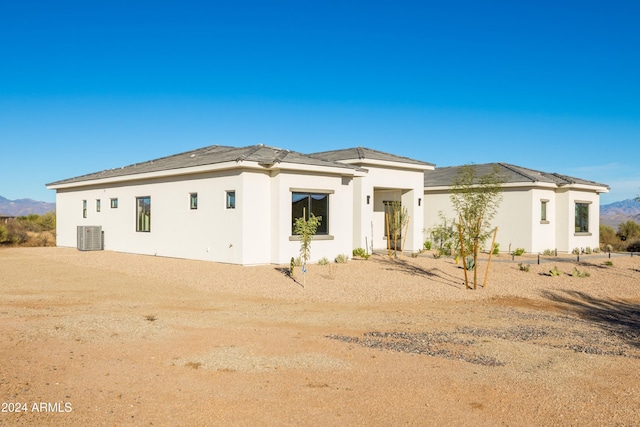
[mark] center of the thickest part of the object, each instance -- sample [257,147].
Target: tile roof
[363,153]
[445,176]
[214,154]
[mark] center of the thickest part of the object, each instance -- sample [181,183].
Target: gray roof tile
[364,153]
[445,176]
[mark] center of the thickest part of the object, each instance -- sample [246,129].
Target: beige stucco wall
[519,222]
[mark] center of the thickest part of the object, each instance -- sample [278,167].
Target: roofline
[387,163]
[536,184]
[237,164]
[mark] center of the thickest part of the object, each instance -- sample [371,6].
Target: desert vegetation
[627,238]
[30,230]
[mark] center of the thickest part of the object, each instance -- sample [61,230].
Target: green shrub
[576,251]
[548,252]
[518,251]
[608,263]
[427,245]
[587,250]
[634,246]
[342,258]
[323,261]
[555,272]
[4,234]
[578,273]
[470,263]
[437,254]
[361,253]
[524,267]
[496,249]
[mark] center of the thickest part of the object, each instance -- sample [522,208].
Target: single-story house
[538,211]
[238,205]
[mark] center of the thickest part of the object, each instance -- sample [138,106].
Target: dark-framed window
[543,210]
[193,201]
[84,209]
[231,199]
[310,203]
[97,205]
[582,217]
[114,203]
[143,214]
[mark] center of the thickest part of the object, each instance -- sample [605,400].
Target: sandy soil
[103,338]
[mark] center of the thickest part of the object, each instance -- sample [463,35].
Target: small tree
[476,200]
[398,219]
[306,228]
[629,230]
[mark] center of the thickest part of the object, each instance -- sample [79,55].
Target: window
[543,210]
[231,199]
[143,214]
[582,217]
[193,201]
[114,203]
[97,205]
[306,203]
[84,209]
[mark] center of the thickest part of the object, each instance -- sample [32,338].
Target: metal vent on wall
[90,238]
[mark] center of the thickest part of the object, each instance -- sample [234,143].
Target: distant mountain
[22,207]
[616,213]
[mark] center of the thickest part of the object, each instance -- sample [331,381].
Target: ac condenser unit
[90,238]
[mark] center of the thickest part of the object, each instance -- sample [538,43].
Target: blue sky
[87,86]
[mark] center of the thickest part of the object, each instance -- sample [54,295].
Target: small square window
[97,205]
[231,199]
[114,203]
[193,201]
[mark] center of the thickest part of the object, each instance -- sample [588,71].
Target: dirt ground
[103,338]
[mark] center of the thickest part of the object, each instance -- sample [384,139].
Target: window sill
[545,222]
[316,237]
[582,233]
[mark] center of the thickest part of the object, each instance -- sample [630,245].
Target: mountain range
[616,213]
[20,207]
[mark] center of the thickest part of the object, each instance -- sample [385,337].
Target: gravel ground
[104,338]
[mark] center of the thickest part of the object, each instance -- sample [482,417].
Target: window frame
[544,204]
[193,201]
[98,205]
[84,208]
[113,203]
[141,226]
[581,217]
[324,230]
[230,199]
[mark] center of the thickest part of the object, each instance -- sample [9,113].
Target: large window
[143,214]
[582,217]
[307,203]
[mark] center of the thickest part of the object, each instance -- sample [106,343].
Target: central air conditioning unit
[90,238]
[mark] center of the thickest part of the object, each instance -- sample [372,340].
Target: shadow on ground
[618,317]
[435,274]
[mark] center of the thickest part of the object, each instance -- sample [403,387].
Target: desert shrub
[629,230]
[587,250]
[554,272]
[524,267]
[596,250]
[496,249]
[360,252]
[342,258]
[548,252]
[292,267]
[576,251]
[470,263]
[518,251]
[4,234]
[427,245]
[437,254]
[323,261]
[609,237]
[608,263]
[578,273]
[297,261]
[634,246]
